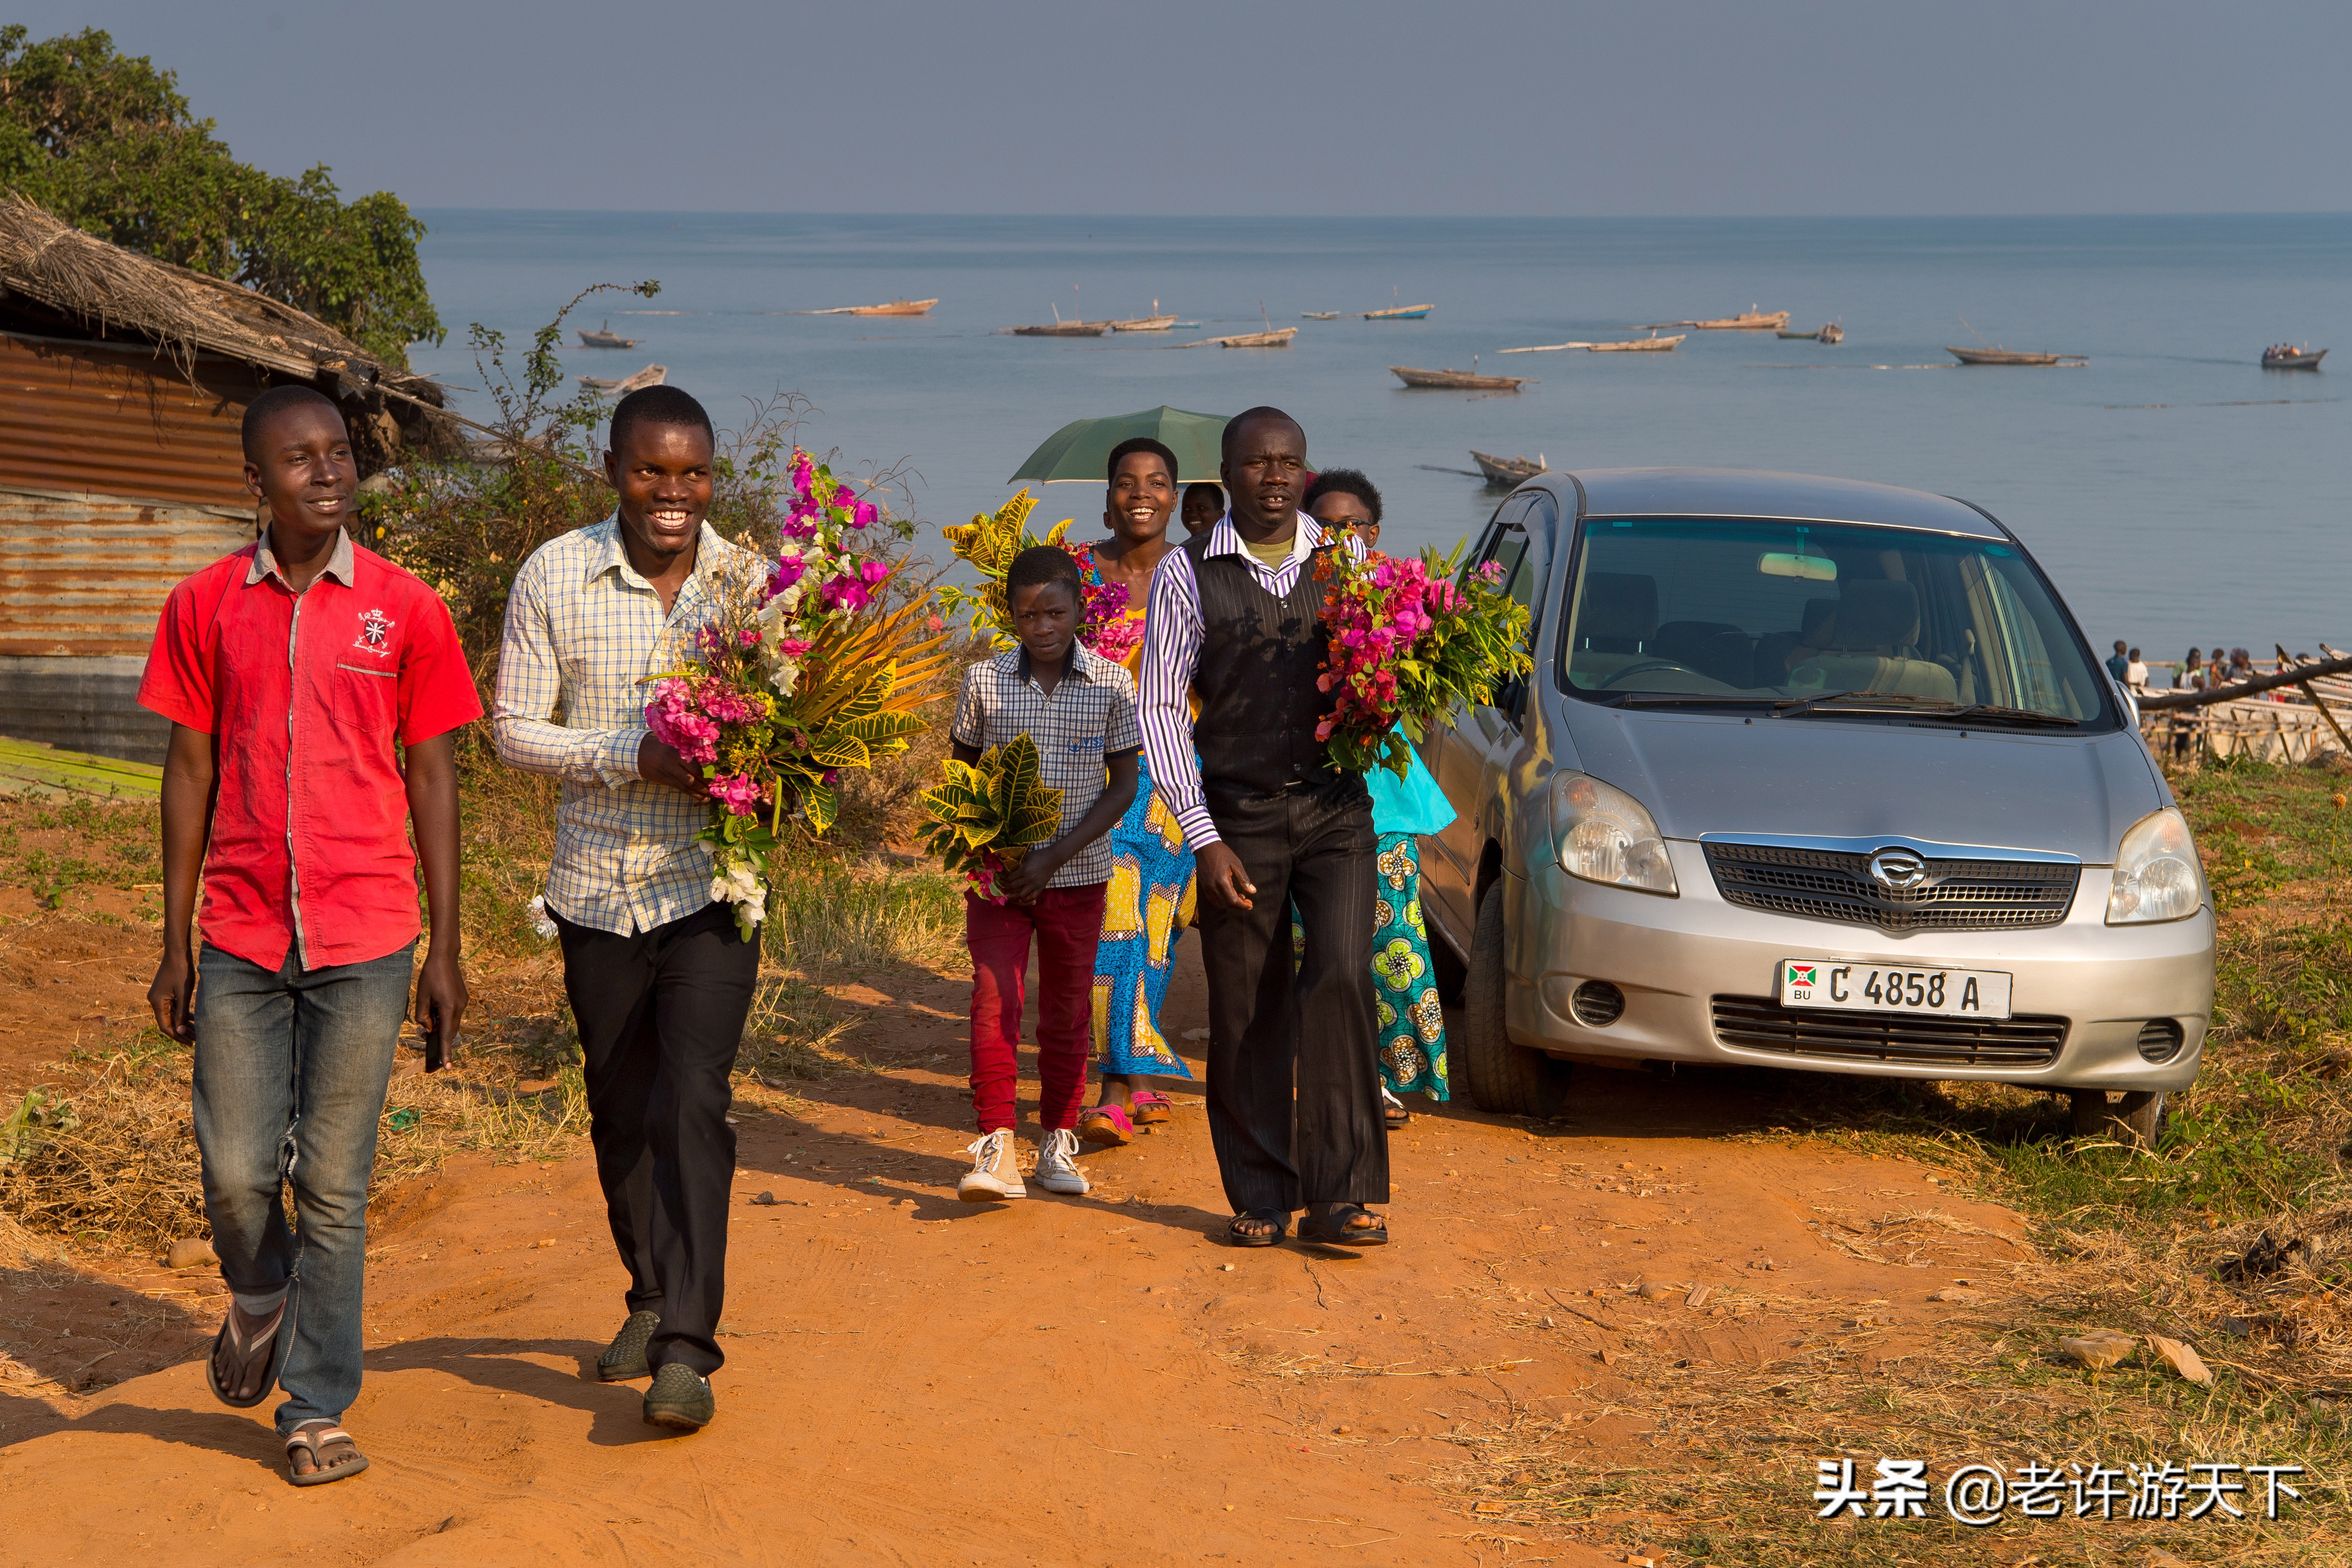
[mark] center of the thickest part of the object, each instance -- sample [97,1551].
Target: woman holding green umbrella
[1149,901]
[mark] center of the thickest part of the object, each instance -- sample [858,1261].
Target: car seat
[1870,646]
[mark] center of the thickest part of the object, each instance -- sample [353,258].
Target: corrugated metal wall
[121,420]
[118,478]
[88,575]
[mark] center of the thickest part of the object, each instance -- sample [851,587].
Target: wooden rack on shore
[2291,716]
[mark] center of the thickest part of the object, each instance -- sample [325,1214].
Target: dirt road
[1091,1381]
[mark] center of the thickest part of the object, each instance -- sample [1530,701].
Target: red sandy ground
[910,1380]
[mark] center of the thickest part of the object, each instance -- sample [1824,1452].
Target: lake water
[2174,490]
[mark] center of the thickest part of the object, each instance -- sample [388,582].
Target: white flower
[540,920]
[741,884]
[784,673]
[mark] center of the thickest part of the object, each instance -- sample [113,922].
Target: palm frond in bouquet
[986,816]
[989,544]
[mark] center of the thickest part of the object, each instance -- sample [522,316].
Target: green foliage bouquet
[986,816]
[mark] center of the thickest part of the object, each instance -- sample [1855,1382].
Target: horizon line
[1362,217]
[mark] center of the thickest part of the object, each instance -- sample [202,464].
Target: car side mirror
[1511,697]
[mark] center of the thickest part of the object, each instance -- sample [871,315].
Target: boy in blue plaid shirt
[1079,710]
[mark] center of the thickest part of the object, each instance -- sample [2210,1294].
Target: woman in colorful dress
[1411,1016]
[1149,901]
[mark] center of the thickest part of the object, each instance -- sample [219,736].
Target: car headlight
[2157,874]
[1604,835]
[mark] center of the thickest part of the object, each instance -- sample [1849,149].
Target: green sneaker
[680,1400]
[624,1360]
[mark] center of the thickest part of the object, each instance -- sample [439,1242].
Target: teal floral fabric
[1407,1012]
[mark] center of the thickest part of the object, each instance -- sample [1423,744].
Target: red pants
[1067,922]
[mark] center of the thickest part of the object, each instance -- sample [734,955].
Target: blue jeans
[290,1074]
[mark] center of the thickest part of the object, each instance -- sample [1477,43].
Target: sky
[1272,106]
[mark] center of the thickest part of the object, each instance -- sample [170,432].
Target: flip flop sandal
[277,1337]
[1395,1115]
[1151,1108]
[1240,1238]
[314,1441]
[1107,1126]
[1332,1231]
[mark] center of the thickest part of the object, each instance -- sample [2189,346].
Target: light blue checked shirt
[583,631]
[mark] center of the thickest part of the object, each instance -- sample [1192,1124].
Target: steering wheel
[1646,667]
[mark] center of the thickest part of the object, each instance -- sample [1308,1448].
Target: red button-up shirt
[305,695]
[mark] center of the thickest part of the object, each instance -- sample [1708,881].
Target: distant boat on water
[1155,323]
[1321,315]
[1653,344]
[2288,357]
[1830,333]
[1749,321]
[1400,313]
[2012,356]
[605,339]
[1061,329]
[1277,339]
[1458,380]
[894,308]
[622,386]
[1508,470]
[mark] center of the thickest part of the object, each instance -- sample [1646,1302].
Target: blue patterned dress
[1145,911]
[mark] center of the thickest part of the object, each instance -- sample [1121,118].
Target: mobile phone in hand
[438,1043]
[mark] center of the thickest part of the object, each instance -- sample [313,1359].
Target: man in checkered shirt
[1079,710]
[659,977]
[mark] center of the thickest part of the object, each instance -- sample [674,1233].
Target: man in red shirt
[290,671]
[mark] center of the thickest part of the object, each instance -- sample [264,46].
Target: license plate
[1883,989]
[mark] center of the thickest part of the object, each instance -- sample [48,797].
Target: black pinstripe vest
[1255,680]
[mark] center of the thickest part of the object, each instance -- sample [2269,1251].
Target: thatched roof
[108,288]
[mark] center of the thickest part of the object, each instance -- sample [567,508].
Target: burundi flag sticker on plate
[1796,982]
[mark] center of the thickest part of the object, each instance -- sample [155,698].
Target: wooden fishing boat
[622,386]
[895,308]
[1653,344]
[1062,330]
[1458,380]
[1155,323]
[1320,315]
[1831,332]
[1277,339]
[1400,313]
[2012,356]
[606,338]
[1508,470]
[2287,357]
[1749,321]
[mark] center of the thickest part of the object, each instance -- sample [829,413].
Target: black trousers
[1294,1089]
[660,1015]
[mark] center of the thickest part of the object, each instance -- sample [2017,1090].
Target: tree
[106,142]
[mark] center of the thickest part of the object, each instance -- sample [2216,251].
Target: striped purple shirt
[1172,633]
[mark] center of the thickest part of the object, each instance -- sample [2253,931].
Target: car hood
[1838,778]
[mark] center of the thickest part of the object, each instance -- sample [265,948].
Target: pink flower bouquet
[1410,641]
[803,669]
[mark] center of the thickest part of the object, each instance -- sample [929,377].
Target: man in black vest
[1233,620]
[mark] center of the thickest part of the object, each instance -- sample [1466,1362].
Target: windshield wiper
[1907,706]
[1671,699]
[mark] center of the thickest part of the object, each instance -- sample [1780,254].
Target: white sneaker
[1057,1169]
[995,1173]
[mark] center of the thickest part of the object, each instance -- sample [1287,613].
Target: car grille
[1759,1023]
[1956,896]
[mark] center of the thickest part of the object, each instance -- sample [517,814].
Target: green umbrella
[1079,449]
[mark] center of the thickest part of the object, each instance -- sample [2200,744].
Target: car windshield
[1814,617]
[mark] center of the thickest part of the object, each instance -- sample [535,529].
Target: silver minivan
[1809,774]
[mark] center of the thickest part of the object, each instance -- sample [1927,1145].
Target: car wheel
[1499,1075]
[2132,1118]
